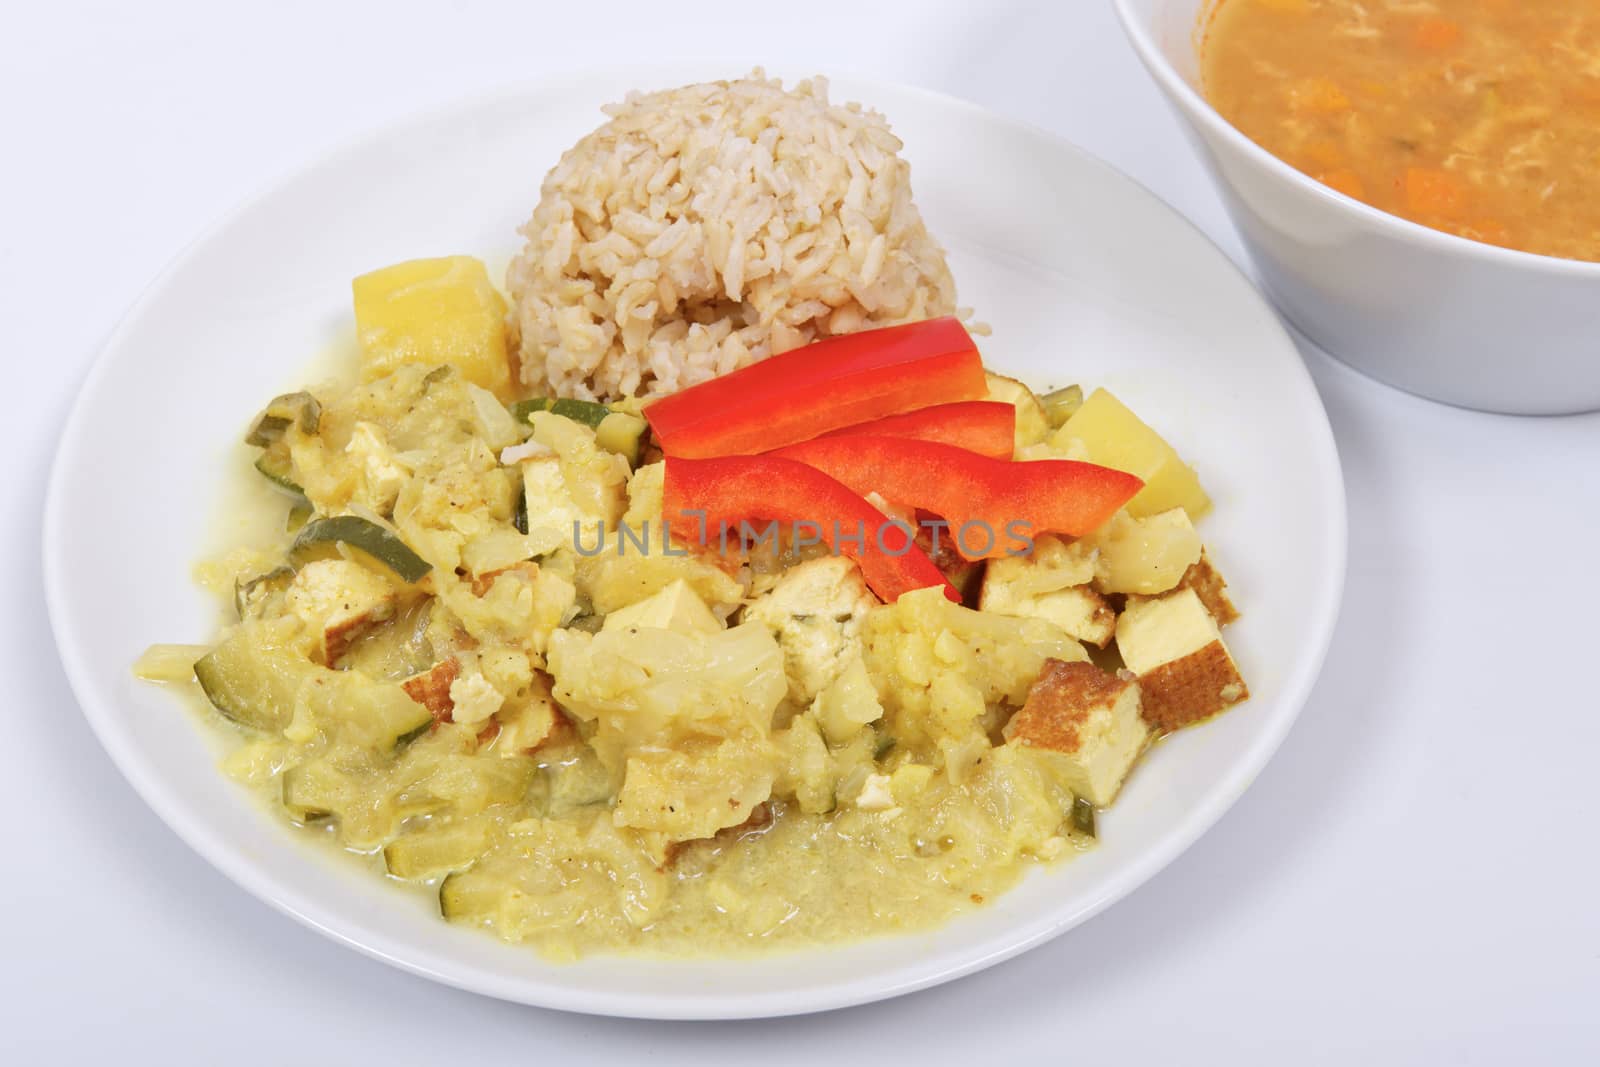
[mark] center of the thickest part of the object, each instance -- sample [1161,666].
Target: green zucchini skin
[1084,817]
[584,411]
[441,851]
[281,413]
[262,585]
[275,465]
[519,518]
[252,682]
[319,536]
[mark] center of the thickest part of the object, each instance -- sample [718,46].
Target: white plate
[1085,277]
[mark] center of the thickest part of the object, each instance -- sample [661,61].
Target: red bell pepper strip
[994,508]
[824,386]
[705,495]
[987,427]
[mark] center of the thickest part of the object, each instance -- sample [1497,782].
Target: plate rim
[258,881]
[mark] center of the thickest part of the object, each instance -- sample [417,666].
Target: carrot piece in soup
[1437,35]
[1433,193]
[1345,181]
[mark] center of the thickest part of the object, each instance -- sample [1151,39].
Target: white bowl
[1084,276]
[1434,314]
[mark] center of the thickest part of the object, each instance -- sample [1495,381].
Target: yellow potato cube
[431,312]
[1116,437]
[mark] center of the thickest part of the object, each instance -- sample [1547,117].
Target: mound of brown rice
[708,227]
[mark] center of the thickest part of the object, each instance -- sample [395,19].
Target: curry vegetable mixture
[589,746]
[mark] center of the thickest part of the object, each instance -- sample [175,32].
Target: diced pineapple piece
[1116,437]
[431,312]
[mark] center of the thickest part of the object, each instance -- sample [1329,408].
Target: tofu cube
[339,600]
[1116,437]
[1209,585]
[676,607]
[815,613]
[1185,670]
[1050,583]
[431,688]
[430,312]
[1085,724]
[553,514]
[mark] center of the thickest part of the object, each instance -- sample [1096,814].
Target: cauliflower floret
[474,698]
[939,667]
[876,794]
[815,612]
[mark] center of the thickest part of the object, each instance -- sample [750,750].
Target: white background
[1413,879]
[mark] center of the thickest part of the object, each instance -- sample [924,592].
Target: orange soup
[1477,117]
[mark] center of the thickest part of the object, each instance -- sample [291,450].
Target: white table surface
[1413,879]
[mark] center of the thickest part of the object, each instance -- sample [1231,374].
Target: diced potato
[1145,556]
[432,312]
[1115,437]
[1032,425]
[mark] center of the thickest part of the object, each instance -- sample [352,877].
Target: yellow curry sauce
[1480,118]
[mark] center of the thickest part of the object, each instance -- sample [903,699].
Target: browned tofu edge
[1192,688]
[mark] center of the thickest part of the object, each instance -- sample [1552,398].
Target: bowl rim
[1201,111]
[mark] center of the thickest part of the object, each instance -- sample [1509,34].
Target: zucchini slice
[285,411]
[278,469]
[584,411]
[1083,816]
[469,898]
[435,851]
[519,518]
[623,434]
[313,792]
[249,594]
[320,539]
[252,681]
[1061,404]
[299,514]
